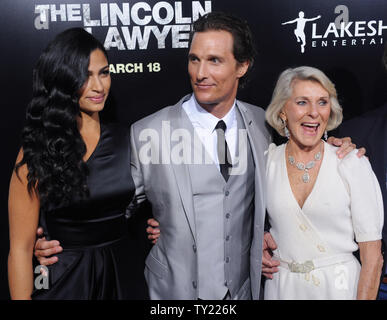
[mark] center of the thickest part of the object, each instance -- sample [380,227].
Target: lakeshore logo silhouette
[341,31]
[299,32]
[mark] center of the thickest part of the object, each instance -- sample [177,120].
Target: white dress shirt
[204,124]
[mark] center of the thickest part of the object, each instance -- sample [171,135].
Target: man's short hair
[243,49]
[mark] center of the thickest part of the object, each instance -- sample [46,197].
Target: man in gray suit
[211,217]
[201,165]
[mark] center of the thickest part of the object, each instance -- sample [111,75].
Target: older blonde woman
[321,208]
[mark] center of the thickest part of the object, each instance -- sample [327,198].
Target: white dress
[315,242]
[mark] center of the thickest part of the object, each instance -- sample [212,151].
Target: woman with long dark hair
[72,176]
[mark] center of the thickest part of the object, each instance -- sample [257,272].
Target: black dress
[96,262]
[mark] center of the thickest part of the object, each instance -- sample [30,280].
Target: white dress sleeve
[366,197]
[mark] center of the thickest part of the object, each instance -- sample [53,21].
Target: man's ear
[242,68]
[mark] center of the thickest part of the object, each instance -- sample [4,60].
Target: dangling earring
[287,133]
[286,130]
[325,135]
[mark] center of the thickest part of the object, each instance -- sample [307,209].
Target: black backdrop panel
[147,43]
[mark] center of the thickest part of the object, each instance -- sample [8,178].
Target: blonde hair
[283,91]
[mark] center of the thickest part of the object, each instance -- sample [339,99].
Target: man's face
[213,70]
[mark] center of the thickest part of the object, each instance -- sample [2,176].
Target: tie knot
[221,125]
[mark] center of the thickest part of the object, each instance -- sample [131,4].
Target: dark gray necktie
[224,156]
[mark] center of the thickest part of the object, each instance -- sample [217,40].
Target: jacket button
[228,216]
[321,248]
[227,193]
[194,284]
[227,259]
[303,227]
[194,248]
[227,238]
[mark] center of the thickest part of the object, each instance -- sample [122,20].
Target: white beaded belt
[310,265]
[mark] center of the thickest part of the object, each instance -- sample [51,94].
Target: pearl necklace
[305,167]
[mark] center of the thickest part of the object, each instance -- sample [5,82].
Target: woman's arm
[371,268]
[23,210]
[367,220]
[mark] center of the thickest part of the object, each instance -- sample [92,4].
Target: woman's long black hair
[53,148]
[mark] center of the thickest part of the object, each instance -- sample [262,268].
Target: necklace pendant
[305,177]
[300,166]
[310,165]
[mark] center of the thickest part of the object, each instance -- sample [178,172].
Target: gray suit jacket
[171,266]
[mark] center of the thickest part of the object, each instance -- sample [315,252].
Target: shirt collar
[206,119]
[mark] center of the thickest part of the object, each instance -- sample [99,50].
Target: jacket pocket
[155,266]
[244,293]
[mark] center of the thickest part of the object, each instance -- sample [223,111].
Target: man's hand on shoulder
[345,146]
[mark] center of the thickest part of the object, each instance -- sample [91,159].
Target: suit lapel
[377,142]
[378,156]
[181,172]
[256,139]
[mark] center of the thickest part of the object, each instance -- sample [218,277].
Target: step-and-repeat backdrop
[147,43]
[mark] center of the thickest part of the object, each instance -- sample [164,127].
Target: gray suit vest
[216,203]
